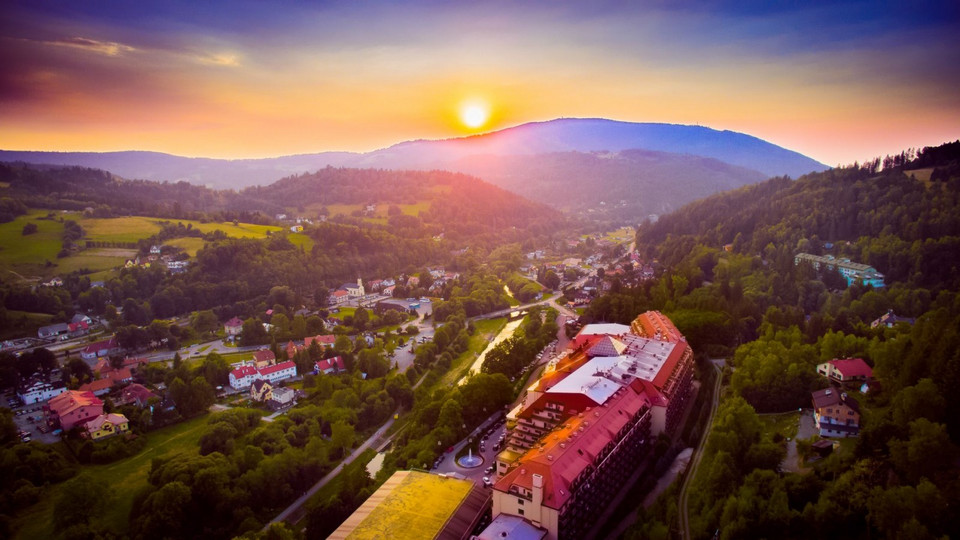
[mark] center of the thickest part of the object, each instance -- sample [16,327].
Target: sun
[474,115]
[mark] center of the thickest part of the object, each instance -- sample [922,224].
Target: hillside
[514,158]
[618,185]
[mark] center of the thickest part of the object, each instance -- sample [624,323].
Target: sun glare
[474,115]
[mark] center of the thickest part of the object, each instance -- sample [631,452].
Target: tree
[80,501]
[342,436]
[551,280]
[29,228]
[343,345]
[204,322]
[360,319]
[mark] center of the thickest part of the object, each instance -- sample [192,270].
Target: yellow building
[107,425]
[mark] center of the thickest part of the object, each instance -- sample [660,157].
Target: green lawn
[126,478]
[786,424]
[27,255]
[486,329]
[23,323]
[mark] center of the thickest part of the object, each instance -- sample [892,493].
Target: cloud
[109,48]
[219,59]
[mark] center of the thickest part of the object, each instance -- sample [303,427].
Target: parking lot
[29,420]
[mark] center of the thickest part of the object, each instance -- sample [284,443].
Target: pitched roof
[852,367]
[98,422]
[264,355]
[829,397]
[101,345]
[278,367]
[243,371]
[259,384]
[326,339]
[235,322]
[97,385]
[327,363]
[71,400]
[137,392]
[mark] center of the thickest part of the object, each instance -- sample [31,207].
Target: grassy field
[786,424]
[125,477]
[28,256]
[23,323]
[486,330]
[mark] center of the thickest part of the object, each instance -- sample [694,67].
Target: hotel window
[520,511]
[520,502]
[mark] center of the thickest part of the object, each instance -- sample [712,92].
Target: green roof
[410,504]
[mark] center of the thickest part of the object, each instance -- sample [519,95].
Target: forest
[732,287]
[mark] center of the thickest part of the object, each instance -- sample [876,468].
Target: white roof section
[511,528]
[601,376]
[611,329]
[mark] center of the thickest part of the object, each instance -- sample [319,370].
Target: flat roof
[511,528]
[413,505]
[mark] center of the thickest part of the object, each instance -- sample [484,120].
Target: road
[296,511]
[697,456]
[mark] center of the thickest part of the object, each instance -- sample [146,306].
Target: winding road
[697,456]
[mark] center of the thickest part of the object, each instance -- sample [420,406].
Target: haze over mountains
[640,168]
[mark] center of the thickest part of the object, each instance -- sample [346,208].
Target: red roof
[137,392]
[852,367]
[564,453]
[234,322]
[96,386]
[72,399]
[278,367]
[328,363]
[243,371]
[328,339]
[339,293]
[264,355]
[101,345]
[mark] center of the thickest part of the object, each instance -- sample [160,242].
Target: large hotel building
[586,425]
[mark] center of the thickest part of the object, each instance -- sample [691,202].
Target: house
[53,330]
[338,297]
[296,228]
[836,414]
[846,370]
[260,391]
[376,285]
[264,358]
[100,349]
[77,329]
[106,425]
[388,289]
[244,376]
[72,408]
[154,250]
[292,350]
[37,391]
[81,318]
[98,387]
[136,394]
[823,447]
[329,366]
[282,397]
[326,340]
[890,319]
[233,327]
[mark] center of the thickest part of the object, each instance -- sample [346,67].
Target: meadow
[125,477]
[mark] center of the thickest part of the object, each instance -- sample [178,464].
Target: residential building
[101,349]
[136,394]
[413,505]
[282,397]
[98,387]
[835,413]
[891,319]
[851,271]
[72,408]
[53,330]
[264,358]
[329,366]
[589,422]
[338,297]
[260,390]
[106,425]
[37,390]
[243,376]
[233,327]
[325,340]
[846,370]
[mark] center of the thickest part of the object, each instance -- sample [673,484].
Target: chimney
[537,491]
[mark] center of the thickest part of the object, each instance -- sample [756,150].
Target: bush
[29,228]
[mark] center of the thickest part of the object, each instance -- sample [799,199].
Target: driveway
[805,430]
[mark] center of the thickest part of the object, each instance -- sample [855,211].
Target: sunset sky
[836,81]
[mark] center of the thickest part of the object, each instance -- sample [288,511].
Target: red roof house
[846,370]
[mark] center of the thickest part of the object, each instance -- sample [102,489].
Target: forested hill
[903,220]
[457,205]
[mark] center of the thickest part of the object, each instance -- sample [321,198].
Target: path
[298,505]
[697,456]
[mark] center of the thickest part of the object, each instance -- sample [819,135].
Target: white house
[281,396]
[40,391]
[243,376]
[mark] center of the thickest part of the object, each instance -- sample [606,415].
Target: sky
[837,81]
